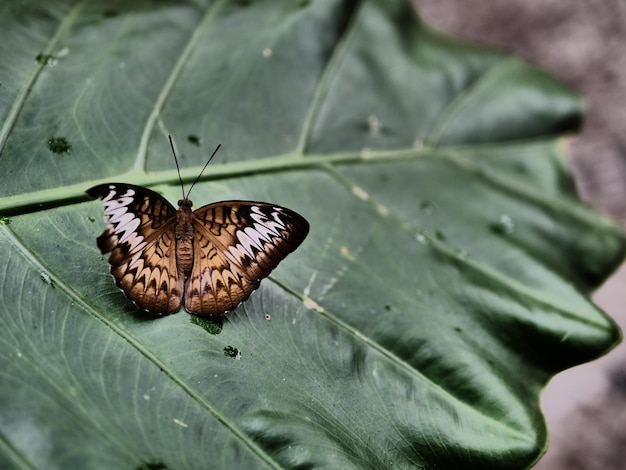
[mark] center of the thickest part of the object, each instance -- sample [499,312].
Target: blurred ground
[583,44]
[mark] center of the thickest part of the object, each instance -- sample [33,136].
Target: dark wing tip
[304,226]
[98,191]
[299,226]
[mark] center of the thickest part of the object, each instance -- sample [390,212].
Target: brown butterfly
[211,259]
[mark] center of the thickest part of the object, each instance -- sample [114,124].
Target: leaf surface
[445,279]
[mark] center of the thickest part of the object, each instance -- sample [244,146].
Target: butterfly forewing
[235,245]
[140,238]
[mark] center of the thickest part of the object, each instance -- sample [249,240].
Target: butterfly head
[185,203]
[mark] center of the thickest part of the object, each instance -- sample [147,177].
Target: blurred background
[582,43]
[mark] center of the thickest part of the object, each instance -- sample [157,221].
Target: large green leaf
[444,281]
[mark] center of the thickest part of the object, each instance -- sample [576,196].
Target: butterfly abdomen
[184,237]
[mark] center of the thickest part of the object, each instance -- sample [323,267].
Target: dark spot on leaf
[45,59]
[504,226]
[458,330]
[244,3]
[59,145]
[91,219]
[110,13]
[427,207]
[194,139]
[154,465]
[5,221]
[497,228]
[211,326]
[440,235]
[388,307]
[229,351]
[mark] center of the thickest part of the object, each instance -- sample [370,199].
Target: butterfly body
[184,237]
[209,260]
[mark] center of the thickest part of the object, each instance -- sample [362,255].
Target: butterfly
[209,260]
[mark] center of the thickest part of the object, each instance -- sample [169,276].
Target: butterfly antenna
[204,168]
[177,167]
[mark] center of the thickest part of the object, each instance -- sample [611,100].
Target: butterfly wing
[236,244]
[140,238]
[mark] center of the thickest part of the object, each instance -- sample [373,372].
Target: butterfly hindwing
[214,286]
[236,244]
[140,238]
